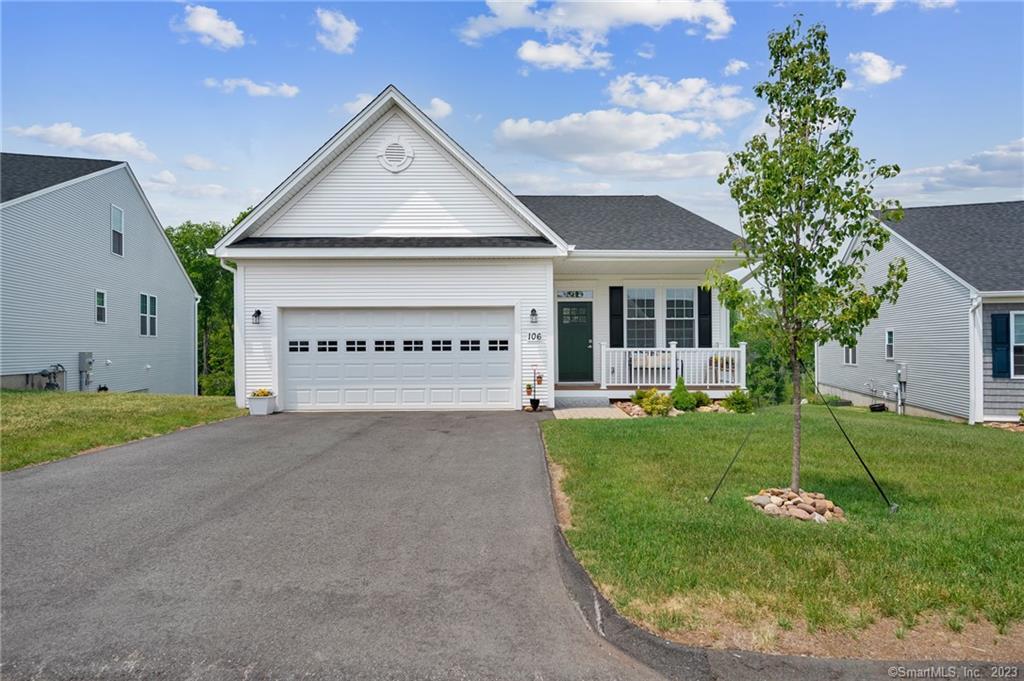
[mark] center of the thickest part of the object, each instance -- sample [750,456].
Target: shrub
[638,396]
[739,401]
[217,383]
[683,399]
[656,403]
[701,399]
[1021,415]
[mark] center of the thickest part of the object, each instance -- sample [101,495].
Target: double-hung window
[890,343]
[680,317]
[1017,344]
[641,324]
[116,230]
[101,307]
[147,315]
[850,356]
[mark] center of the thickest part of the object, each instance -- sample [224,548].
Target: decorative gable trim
[344,138]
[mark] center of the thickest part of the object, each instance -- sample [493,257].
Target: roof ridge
[960,205]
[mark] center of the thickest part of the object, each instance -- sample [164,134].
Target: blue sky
[214,104]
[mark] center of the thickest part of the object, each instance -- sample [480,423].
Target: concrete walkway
[590,413]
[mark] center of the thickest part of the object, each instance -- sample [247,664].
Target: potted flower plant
[537,380]
[261,402]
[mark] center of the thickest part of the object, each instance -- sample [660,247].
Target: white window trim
[886,345]
[847,353]
[149,315]
[112,230]
[659,296]
[95,307]
[1013,320]
[665,318]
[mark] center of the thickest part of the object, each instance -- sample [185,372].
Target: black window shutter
[615,320]
[1001,345]
[703,317]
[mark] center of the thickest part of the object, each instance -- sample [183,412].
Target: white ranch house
[392,271]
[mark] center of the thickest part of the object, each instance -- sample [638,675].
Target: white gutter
[195,345]
[975,373]
[619,254]
[239,348]
[1001,294]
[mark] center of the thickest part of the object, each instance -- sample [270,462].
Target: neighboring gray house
[87,268]
[959,321]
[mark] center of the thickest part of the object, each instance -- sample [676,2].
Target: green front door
[575,342]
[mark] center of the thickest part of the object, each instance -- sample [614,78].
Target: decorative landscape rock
[636,411]
[808,506]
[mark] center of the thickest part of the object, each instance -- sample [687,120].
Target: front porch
[716,371]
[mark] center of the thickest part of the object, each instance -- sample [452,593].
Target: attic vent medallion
[395,155]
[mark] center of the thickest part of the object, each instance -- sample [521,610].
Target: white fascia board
[1005,296]
[390,95]
[383,253]
[68,183]
[602,254]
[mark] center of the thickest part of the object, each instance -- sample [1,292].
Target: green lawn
[44,426]
[641,526]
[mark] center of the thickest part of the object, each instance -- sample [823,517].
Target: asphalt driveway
[354,546]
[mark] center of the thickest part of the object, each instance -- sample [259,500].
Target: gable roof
[388,99]
[979,242]
[649,223]
[23,174]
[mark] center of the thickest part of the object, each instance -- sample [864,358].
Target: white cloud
[358,104]
[565,56]
[646,51]
[167,183]
[197,162]
[877,6]
[735,66]
[438,108]
[536,183]
[252,88]
[689,95]
[594,20]
[337,32]
[210,28]
[594,133]
[1002,166]
[883,6]
[655,166]
[874,68]
[68,136]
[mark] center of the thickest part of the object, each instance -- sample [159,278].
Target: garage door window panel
[298,346]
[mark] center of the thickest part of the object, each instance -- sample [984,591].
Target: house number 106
[533,336]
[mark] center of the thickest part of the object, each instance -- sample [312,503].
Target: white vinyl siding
[56,252]
[274,287]
[930,321]
[356,196]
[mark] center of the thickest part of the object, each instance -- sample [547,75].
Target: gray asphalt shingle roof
[644,223]
[22,174]
[982,243]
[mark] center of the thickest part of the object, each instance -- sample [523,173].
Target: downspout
[975,366]
[195,345]
[237,336]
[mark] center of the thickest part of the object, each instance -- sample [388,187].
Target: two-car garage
[398,358]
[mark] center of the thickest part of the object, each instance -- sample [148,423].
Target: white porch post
[604,364]
[672,360]
[743,365]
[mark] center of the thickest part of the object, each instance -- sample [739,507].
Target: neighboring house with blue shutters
[88,272]
[958,326]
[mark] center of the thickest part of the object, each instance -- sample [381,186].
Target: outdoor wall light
[256,317]
[533,316]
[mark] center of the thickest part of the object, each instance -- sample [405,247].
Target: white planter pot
[262,406]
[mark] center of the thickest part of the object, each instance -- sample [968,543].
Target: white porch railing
[711,367]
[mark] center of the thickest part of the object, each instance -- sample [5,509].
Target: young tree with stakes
[804,193]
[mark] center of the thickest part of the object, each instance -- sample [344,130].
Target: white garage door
[391,358]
